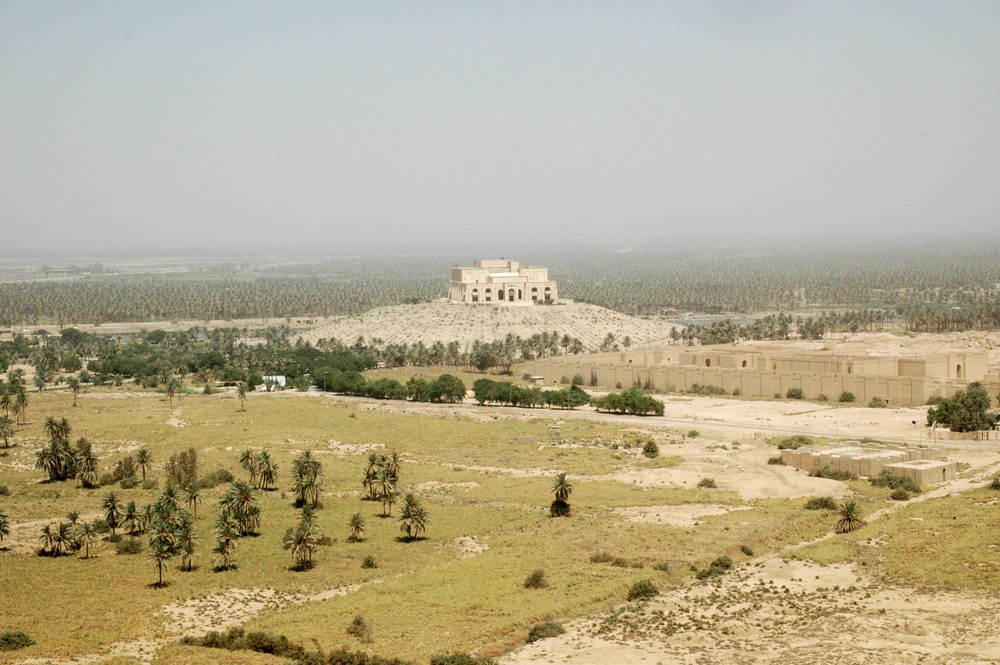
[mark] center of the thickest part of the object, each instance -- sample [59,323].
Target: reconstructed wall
[899,381]
[922,465]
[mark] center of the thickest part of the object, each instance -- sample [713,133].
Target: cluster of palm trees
[63,538]
[381,476]
[307,480]
[303,539]
[13,400]
[239,505]
[413,517]
[171,532]
[262,469]
[64,461]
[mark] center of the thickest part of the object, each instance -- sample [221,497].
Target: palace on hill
[501,281]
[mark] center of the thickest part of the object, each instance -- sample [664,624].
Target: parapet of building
[922,465]
[501,281]
[900,381]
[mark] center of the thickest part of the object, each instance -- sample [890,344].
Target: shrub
[693,434]
[794,393]
[650,449]
[776,460]
[621,562]
[795,442]
[877,403]
[542,630]
[642,590]
[894,482]
[150,484]
[4,490]
[821,503]
[846,397]
[236,638]
[827,471]
[129,482]
[453,659]
[900,495]
[746,550]
[360,628]
[663,567]
[369,562]
[128,546]
[559,508]
[14,640]
[101,525]
[707,483]
[822,398]
[536,580]
[995,484]
[217,477]
[716,568]
[601,557]
[578,379]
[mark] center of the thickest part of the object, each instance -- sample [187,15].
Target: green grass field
[424,597]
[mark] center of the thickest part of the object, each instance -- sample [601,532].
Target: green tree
[413,517]
[240,504]
[303,540]
[357,526]
[241,391]
[144,459]
[7,430]
[192,494]
[307,479]
[850,518]
[86,535]
[111,510]
[967,411]
[561,488]
[74,387]
[226,535]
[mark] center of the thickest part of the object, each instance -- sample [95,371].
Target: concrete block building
[501,281]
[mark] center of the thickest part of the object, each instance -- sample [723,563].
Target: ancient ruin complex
[900,381]
[501,281]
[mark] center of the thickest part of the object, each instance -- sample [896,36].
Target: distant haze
[137,127]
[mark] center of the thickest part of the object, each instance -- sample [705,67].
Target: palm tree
[302,541]
[249,463]
[161,552]
[4,525]
[144,459]
[267,470]
[172,388]
[241,390]
[57,430]
[307,479]
[193,497]
[387,491]
[86,463]
[850,518]
[240,503]
[186,543]
[226,534]
[561,488]
[74,387]
[131,518]
[21,405]
[111,511]
[168,501]
[357,526]
[371,477]
[86,535]
[413,518]
[47,539]
[7,430]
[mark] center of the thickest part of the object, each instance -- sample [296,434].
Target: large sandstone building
[501,281]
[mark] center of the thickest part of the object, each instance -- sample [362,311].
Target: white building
[501,281]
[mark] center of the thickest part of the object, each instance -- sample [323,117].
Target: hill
[447,322]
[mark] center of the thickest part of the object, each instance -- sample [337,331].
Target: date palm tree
[850,518]
[192,494]
[4,525]
[7,430]
[131,518]
[161,552]
[226,535]
[86,535]
[302,541]
[144,459]
[248,461]
[357,526]
[74,387]
[413,518]
[241,391]
[112,511]
[267,470]
[561,488]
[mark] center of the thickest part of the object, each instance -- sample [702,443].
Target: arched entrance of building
[510,295]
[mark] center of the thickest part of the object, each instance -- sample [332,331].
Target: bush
[716,568]
[776,460]
[542,630]
[707,483]
[650,449]
[900,495]
[559,508]
[846,397]
[369,562]
[128,546]
[128,483]
[795,442]
[827,471]
[746,550]
[4,490]
[995,484]
[236,638]
[455,659]
[621,562]
[536,580]
[217,477]
[578,379]
[894,482]
[360,628]
[150,484]
[693,434]
[794,393]
[601,557]
[663,567]
[877,403]
[821,503]
[642,590]
[14,640]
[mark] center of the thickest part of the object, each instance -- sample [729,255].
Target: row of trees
[967,411]
[505,393]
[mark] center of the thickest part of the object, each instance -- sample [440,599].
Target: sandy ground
[446,322]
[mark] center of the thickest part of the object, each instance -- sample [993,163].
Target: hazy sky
[140,125]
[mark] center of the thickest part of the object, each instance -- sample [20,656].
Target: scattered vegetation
[894,482]
[643,590]
[546,629]
[14,640]
[719,566]
[536,580]
[821,503]
[827,471]
[795,442]
[850,518]
[707,483]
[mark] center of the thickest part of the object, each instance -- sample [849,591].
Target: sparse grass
[437,587]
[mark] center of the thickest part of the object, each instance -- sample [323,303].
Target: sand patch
[684,515]
[470,547]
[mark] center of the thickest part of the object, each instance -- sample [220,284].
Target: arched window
[744,363]
[708,362]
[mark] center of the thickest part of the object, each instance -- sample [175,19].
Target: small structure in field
[922,465]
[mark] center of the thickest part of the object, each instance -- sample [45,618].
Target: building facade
[501,281]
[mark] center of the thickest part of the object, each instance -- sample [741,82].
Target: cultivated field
[485,476]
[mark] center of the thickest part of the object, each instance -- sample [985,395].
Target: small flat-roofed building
[501,281]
